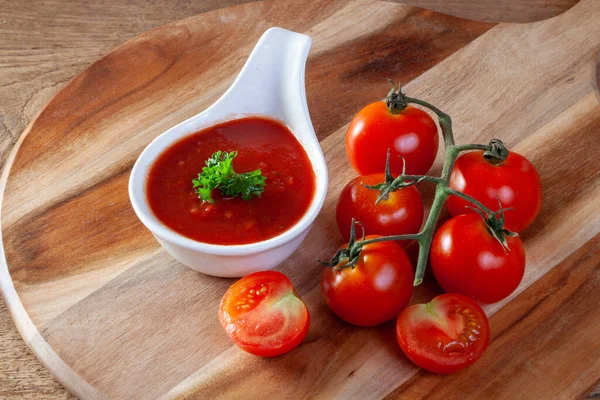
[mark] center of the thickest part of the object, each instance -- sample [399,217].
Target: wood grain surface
[328,124]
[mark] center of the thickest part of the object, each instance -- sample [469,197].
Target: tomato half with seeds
[445,335]
[467,259]
[514,181]
[264,315]
[375,290]
[410,133]
[400,213]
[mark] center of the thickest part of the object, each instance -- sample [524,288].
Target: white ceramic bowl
[270,84]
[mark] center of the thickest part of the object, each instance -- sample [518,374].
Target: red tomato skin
[373,292]
[467,259]
[421,340]
[235,326]
[515,182]
[412,134]
[401,213]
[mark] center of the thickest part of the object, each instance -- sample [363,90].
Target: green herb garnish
[219,173]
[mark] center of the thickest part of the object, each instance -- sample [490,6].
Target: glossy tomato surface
[264,315]
[468,260]
[515,182]
[412,134]
[400,213]
[374,291]
[445,335]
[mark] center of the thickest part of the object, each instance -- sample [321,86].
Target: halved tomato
[447,334]
[264,315]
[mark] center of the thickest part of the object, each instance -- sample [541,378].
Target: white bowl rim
[165,233]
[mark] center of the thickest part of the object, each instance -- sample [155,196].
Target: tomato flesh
[401,213]
[467,259]
[447,334]
[515,182]
[411,134]
[263,314]
[375,290]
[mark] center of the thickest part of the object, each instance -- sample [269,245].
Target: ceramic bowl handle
[272,80]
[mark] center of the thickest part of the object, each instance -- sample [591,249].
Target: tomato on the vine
[514,181]
[467,259]
[410,133]
[375,290]
[263,314]
[400,213]
[449,333]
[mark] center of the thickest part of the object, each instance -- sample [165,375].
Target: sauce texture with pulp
[261,143]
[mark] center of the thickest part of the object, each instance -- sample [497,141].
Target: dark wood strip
[45,246]
[343,80]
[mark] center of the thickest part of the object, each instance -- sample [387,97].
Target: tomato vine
[495,152]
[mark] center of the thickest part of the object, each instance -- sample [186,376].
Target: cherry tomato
[264,315]
[375,290]
[515,182]
[468,260]
[447,334]
[412,134]
[400,213]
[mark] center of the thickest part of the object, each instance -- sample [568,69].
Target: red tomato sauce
[261,143]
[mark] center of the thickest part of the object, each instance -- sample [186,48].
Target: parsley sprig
[219,173]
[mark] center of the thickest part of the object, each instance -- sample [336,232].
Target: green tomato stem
[466,147]
[471,200]
[444,120]
[413,236]
[420,178]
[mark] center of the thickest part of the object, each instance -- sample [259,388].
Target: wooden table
[45,43]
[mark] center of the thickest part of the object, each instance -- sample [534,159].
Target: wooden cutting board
[113,316]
